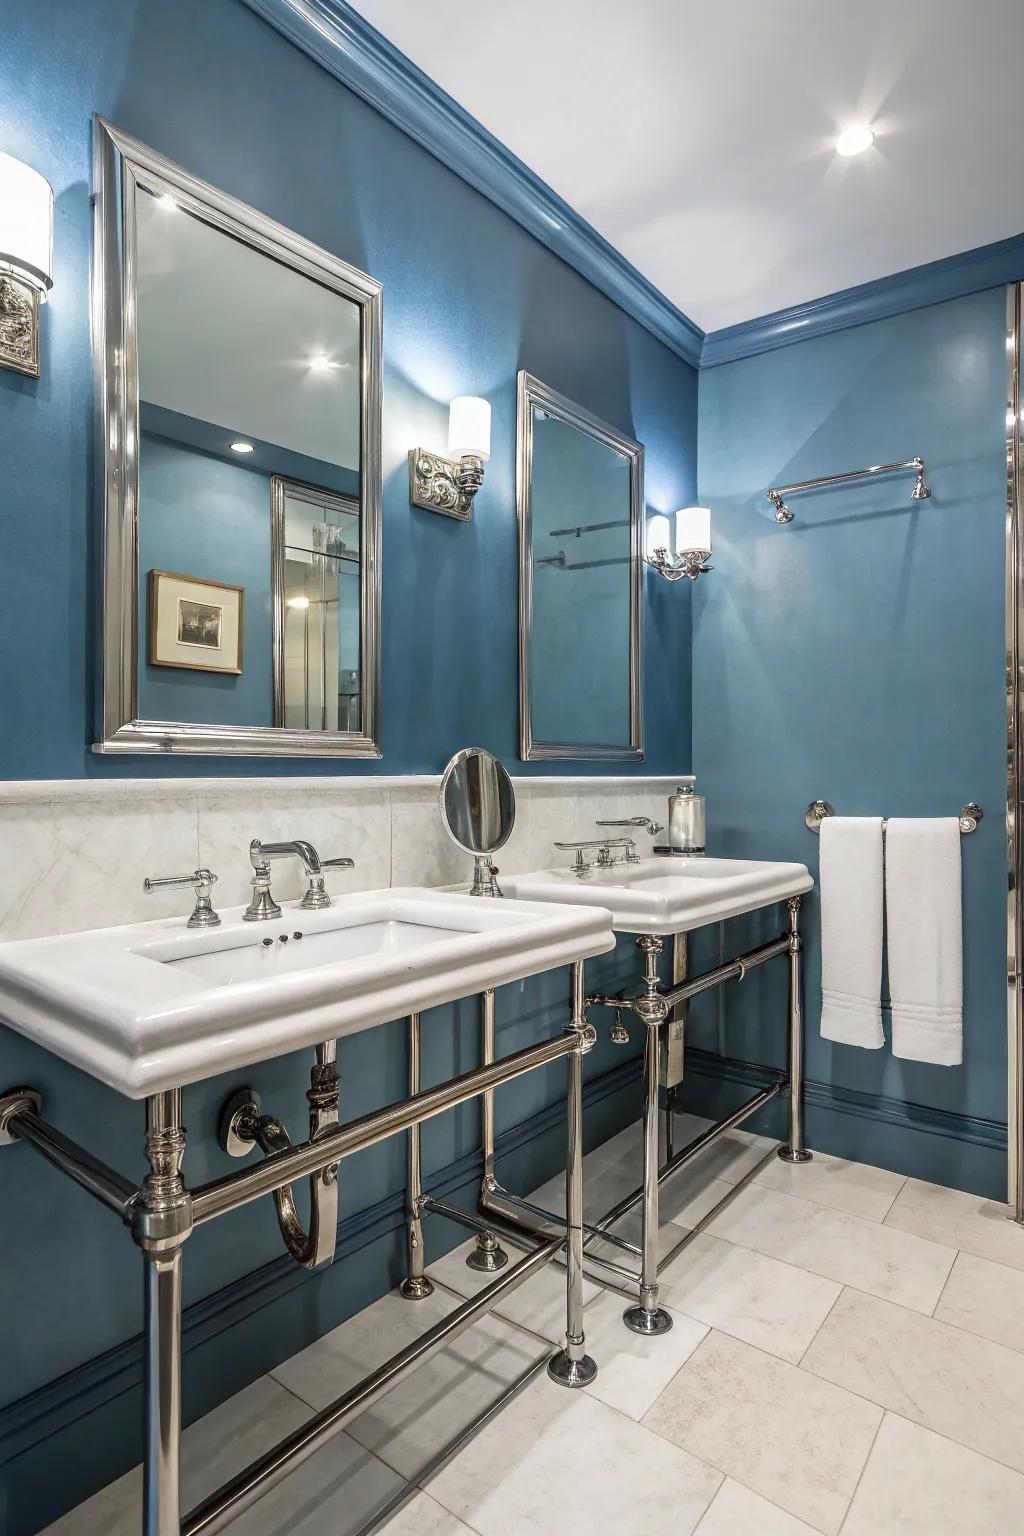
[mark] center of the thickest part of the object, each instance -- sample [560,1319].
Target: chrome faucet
[605,858]
[649,825]
[263,906]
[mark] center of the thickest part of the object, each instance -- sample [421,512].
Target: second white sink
[663,895]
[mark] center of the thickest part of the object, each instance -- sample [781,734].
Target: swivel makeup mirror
[478,809]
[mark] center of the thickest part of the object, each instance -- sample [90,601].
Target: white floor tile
[895,1265]
[336,1490]
[736,1511]
[538,1304]
[942,1377]
[562,1461]
[758,1299]
[423,1516]
[985,1298]
[918,1484]
[855,1187]
[770,1426]
[959,1220]
[631,1370]
[408,1426]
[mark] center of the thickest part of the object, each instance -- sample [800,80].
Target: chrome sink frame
[163,1212]
[657,1010]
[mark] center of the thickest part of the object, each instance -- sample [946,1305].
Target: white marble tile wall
[75,852]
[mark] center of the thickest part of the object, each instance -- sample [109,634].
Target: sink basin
[157,1005]
[666,895]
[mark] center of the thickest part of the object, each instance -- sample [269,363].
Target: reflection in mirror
[316,595]
[478,810]
[580,494]
[246,519]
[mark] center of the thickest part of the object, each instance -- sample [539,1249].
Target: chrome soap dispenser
[686,820]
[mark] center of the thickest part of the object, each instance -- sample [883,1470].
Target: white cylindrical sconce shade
[659,535]
[469,428]
[26,224]
[693,531]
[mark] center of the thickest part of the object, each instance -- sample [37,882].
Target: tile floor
[847,1357]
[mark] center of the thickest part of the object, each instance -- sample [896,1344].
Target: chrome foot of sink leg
[488,1255]
[572,1366]
[416,1288]
[569,1372]
[647,1320]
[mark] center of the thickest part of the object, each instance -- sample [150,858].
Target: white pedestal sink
[154,1006]
[663,895]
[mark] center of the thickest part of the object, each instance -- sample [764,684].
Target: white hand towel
[851,930]
[922,897]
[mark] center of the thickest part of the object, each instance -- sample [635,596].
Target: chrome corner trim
[342,42]
[119,163]
[1014,750]
[531,392]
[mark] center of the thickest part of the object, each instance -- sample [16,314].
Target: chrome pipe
[488,1256]
[647,1317]
[227,1194]
[415,1286]
[512,1213]
[795,1151]
[737,968]
[572,1366]
[674,1041]
[230,1501]
[693,1149]
[553,1223]
[106,1185]
[166,1205]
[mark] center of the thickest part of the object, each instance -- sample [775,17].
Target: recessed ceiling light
[853,141]
[241,447]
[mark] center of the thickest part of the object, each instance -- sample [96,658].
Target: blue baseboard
[88,1421]
[961,1151]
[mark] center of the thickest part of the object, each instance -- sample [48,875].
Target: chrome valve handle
[203,915]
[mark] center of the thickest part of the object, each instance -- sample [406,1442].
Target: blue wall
[857,655]
[201,516]
[469,298]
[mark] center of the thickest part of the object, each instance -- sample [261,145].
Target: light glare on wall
[26,261]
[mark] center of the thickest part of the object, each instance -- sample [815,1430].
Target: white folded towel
[851,930]
[922,899]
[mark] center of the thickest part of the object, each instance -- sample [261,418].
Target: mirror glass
[580,510]
[254,518]
[478,802]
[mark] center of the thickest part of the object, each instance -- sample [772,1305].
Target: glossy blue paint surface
[469,298]
[857,655]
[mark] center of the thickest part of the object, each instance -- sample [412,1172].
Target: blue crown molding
[345,44]
[990,266]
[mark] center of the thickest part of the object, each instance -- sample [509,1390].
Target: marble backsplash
[76,851]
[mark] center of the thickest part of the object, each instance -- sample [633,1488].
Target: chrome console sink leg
[647,1317]
[415,1286]
[162,1220]
[572,1366]
[794,1151]
[488,1255]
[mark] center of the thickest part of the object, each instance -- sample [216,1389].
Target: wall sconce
[449,485]
[26,262]
[685,554]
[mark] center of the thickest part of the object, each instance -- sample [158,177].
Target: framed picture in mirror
[195,623]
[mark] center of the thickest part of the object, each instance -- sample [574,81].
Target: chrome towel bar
[915,465]
[970,816]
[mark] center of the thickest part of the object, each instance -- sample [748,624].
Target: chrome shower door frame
[1014,752]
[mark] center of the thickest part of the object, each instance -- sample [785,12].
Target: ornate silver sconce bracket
[444,485]
[19,326]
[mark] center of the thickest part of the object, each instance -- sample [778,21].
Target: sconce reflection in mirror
[26,262]
[682,551]
[449,484]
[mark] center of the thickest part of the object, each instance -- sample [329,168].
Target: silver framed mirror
[478,811]
[238,399]
[580,502]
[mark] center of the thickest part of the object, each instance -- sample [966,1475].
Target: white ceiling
[696,135]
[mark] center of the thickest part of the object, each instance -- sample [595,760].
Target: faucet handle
[316,897]
[649,825]
[203,915]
